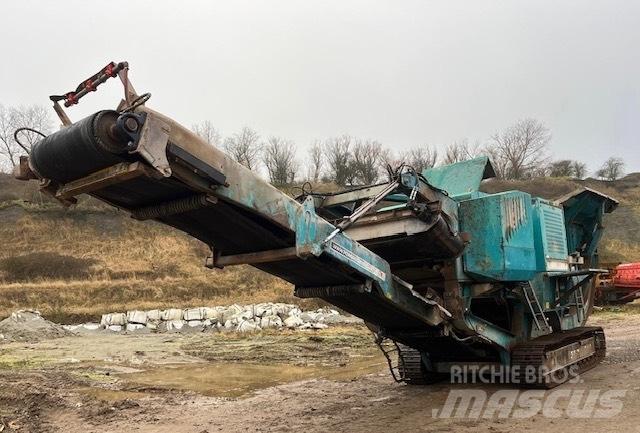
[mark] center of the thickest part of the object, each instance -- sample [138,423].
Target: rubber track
[411,369]
[533,353]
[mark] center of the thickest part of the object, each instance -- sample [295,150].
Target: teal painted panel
[461,178]
[502,237]
[550,236]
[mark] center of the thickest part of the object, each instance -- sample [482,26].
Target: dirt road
[331,380]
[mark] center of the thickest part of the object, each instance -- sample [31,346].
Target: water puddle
[110,395]
[234,380]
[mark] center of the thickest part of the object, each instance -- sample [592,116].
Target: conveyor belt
[195,188]
[98,142]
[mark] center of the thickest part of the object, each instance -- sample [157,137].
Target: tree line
[520,151]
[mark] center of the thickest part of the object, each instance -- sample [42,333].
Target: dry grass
[548,188]
[619,251]
[117,245]
[78,264]
[72,301]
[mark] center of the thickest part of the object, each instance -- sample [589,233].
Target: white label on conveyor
[358,260]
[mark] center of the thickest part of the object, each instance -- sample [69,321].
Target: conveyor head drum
[91,144]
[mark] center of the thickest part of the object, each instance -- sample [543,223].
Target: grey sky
[403,72]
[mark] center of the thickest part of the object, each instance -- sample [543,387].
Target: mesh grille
[555,235]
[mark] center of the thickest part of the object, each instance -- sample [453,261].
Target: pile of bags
[238,318]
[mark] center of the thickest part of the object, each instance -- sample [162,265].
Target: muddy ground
[290,381]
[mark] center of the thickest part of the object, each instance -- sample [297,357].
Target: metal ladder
[580,304]
[539,319]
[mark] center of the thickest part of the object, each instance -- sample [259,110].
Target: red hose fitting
[70,99]
[109,69]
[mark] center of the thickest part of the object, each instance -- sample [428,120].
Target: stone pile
[238,318]
[29,326]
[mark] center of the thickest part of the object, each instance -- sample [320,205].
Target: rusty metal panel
[501,233]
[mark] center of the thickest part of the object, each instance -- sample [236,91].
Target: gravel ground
[231,383]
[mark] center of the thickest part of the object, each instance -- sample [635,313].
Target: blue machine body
[502,241]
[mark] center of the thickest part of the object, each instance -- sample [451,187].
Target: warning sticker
[358,260]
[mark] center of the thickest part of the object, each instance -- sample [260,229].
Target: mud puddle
[110,395]
[235,380]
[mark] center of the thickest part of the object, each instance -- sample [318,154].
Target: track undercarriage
[559,357]
[544,362]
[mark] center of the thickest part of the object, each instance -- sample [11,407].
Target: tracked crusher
[443,274]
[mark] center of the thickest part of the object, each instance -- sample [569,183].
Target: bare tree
[367,158]
[567,168]
[461,150]
[244,147]
[561,168]
[579,169]
[539,171]
[279,156]
[12,118]
[316,161]
[337,153]
[522,147]
[8,149]
[421,157]
[36,117]
[390,159]
[208,132]
[612,169]
[455,152]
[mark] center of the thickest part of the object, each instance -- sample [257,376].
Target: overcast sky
[402,72]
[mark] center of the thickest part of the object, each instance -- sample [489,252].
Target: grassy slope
[82,262]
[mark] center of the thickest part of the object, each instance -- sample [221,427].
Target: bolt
[131,124]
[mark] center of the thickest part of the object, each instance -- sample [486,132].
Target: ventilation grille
[554,233]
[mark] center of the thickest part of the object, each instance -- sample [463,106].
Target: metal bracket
[565,295]
[255,258]
[363,209]
[152,145]
[100,179]
[431,302]
[23,171]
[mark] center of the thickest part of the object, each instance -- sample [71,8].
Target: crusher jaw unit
[443,274]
